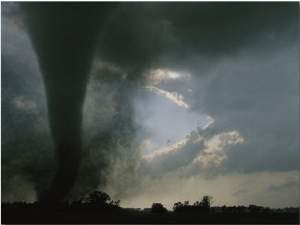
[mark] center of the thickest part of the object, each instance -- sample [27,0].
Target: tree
[207,201]
[266,210]
[255,208]
[158,208]
[96,201]
[177,207]
[99,197]
[205,204]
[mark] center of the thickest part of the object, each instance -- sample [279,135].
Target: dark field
[43,217]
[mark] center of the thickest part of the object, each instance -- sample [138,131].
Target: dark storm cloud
[258,98]
[224,28]
[200,36]
[133,40]
[179,35]
[267,119]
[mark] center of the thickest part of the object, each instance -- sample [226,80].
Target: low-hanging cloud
[275,188]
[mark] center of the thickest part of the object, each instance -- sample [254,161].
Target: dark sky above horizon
[183,100]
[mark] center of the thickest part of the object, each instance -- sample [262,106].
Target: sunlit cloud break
[156,76]
[218,142]
[173,96]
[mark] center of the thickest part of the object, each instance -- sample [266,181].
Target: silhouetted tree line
[233,209]
[204,206]
[243,209]
[97,201]
[199,206]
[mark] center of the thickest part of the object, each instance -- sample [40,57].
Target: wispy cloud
[173,96]
[240,192]
[280,188]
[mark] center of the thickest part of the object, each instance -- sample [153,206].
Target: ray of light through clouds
[184,100]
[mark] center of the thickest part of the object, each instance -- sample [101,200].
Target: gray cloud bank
[243,61]
[282,187]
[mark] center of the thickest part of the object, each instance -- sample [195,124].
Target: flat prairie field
[52,217]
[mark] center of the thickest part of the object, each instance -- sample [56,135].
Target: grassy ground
[42,217]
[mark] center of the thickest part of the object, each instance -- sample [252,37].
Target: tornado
[64,36]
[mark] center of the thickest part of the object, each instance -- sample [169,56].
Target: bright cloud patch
[193,155]
[218,142]
[173,96]
[157,76]
[26,105]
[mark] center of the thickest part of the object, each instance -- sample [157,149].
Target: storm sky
[183,100]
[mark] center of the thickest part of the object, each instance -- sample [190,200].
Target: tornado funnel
[64,36]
